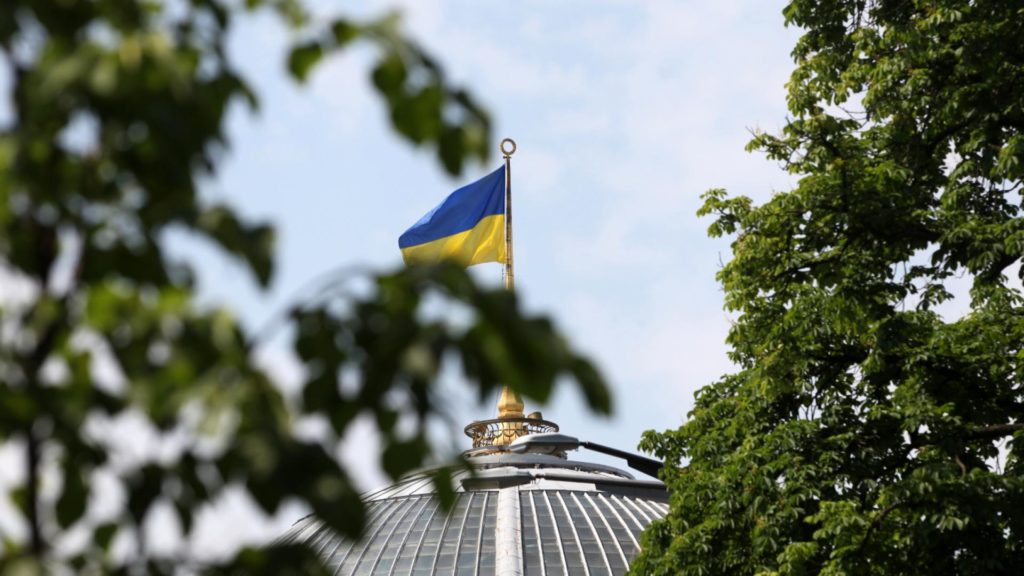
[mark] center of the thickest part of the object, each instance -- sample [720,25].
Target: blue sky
[624,113]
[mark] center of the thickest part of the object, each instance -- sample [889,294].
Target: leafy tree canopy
[875,425]
[118,112]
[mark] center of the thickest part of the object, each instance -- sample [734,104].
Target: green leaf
[595,389]
[344,32]
[389,76]
[847,439]
[103,535]
[253,244]
[400,457]
[303,58]
[73,498]
[144,488]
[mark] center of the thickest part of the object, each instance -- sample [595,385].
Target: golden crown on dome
[511,423]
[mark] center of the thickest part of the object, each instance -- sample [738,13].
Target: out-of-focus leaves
[21,566]
[73,497]
[344,31]
[145,487]
[595,389]
[390,74]
[396,356]
[254,244]
[103,535]
[303,58]
[423,106]
[452,148]
[398,455]
[444,486]
[119,118]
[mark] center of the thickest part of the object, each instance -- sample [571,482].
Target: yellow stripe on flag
[484,242]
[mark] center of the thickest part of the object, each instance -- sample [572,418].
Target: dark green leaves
[253,244]
[874,425]
[110,349]
[397,456]
[390,74]
[303,58]
[73,498]
[376,355]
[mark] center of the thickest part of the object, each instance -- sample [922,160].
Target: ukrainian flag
[468,227]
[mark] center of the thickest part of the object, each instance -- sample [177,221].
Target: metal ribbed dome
[524,510]
[520,514]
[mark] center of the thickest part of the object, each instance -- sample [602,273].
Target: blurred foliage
[118,113]
[874,425]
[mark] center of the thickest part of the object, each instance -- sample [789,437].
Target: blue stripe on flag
[460,211]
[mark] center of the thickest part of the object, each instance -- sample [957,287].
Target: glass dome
[525,510]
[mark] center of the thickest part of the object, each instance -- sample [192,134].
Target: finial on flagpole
[508,152]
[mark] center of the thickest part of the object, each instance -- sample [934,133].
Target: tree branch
[875,522]
[31,494]
[995,431]
[33,366]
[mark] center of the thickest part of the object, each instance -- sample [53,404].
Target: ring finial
[512,147]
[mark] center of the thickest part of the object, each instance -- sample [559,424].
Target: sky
[624,112]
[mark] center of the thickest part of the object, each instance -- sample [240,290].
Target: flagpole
[507,152]
[510,405]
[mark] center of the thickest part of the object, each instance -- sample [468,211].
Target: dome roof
[526,509]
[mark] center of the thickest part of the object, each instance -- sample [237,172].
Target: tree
[119,110]
[876,420]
